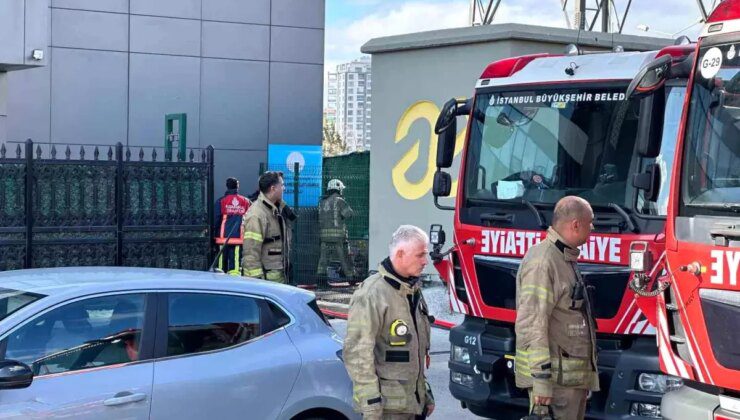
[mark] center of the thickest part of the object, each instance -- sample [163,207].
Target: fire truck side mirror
[446,128]
[442,185]
[446,146]
[650,125]
[648,181]
[650,78]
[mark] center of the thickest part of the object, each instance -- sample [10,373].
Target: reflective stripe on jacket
[387,343]
[333,215]
[266,239]
[555,334]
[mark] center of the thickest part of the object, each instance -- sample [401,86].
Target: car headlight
[460,354]
[658,383]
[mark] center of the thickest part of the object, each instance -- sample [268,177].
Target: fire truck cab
[697,305]
[541,127]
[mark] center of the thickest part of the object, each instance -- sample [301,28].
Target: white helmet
[335,184]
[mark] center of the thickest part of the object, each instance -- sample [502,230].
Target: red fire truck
[541,127]
[697,304]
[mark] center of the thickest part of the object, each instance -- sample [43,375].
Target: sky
[351,23]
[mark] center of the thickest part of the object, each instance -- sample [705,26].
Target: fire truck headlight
[651,411]
[658,383]
[460,354]
[462,379]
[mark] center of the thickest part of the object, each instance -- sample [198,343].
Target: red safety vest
[232,209]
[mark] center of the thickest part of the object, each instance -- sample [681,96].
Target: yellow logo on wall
[422,110]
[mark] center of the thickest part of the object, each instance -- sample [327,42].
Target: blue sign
[283,157]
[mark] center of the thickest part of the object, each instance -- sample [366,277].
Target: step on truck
[541,127]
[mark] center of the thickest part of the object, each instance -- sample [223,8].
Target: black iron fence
[106,206]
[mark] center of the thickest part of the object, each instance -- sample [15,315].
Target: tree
[333,144]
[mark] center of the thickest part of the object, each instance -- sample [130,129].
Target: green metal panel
[354,171]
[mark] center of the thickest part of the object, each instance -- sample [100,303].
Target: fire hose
[640,282]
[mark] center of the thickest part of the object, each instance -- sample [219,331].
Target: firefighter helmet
[335,184]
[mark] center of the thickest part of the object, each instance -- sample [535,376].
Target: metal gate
[105,209]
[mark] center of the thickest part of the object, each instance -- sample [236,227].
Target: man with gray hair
[555,331]
[388,330]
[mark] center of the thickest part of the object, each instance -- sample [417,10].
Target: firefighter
[555,331]
[333,215]
[229,211]
[267,232]
[388,330]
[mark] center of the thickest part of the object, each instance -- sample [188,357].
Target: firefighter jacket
[229,212]
[333,215]
[266,240]
[555,331]
[387,344]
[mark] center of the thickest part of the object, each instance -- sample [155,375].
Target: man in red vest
[229,211]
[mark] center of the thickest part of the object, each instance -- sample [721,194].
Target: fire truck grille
[497,282]
[609,288]
[721,310]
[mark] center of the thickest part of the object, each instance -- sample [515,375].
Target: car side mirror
[650,78]
[15,375]
[649,181]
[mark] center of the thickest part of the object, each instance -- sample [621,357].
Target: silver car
[115,343]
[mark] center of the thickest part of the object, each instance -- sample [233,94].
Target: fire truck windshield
[541,145]
[711,162]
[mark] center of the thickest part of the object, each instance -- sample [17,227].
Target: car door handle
[125,397]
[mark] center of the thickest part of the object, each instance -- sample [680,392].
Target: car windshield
[542,145]
[711,162]
[12,300]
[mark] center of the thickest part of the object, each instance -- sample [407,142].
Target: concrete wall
[413,76]
[24,27]
[247,73]
[3,102]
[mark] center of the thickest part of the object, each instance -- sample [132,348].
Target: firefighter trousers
[567,403]
[275,275]
[335,251]
[230,260]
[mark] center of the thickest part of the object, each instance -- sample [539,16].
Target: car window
[315,307]
[12,300]
[89,333]
[279,318]
[200,322]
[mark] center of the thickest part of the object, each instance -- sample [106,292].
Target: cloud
[344,39]
[393,17]
[683,13]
